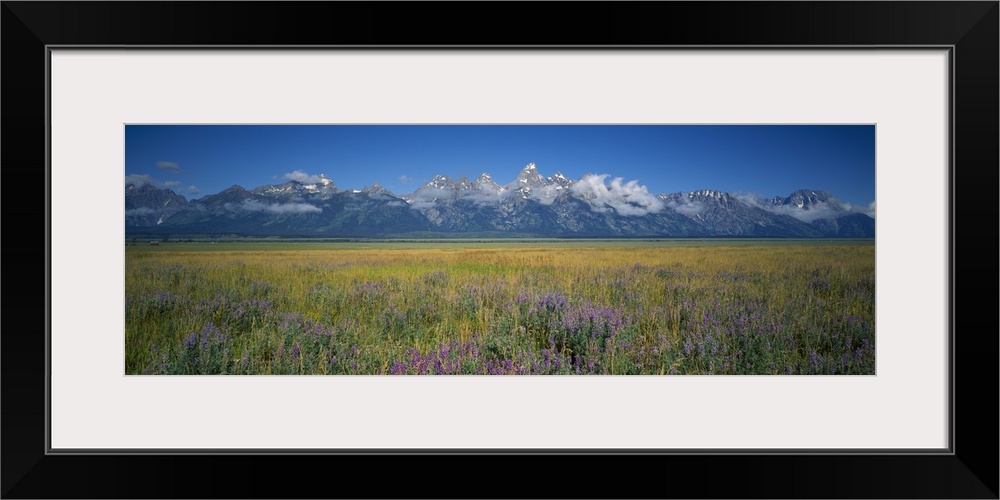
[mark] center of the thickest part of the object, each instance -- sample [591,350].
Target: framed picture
[918,78]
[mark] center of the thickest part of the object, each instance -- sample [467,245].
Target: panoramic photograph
[499,250]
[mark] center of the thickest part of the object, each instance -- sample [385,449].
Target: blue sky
[768,160]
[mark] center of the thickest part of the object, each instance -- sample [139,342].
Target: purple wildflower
[397,368]
[814,358]
[552,302]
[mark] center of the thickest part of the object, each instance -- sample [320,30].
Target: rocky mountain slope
[530,205]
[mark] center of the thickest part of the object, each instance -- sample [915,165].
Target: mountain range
[532,205]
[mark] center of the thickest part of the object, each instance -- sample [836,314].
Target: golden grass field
[581,308]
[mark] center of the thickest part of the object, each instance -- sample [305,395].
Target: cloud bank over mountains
[624,198]
[280,208]
[304,178]
[629,198]
[806,205]
[593,205]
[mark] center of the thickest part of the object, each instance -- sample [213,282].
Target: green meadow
[478,307]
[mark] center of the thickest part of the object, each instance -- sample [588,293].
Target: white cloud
[432,193]
[171,184]
[629,198]
[300,176]
[870,210]
[546,195]
[684,206]
[138,180]
[422,204]
[193,190]
[405,179]
[819,210]
[481,197]
[280,208]
[168,166]
[816,211]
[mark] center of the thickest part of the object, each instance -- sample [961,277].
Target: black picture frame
[969,28]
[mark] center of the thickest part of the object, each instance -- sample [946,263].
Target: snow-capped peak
[529,175]
[376,189]
[708,193]
[486,184]
[439,182]
[807,199]
[560,181]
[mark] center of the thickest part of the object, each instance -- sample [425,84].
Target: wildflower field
[605,308]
